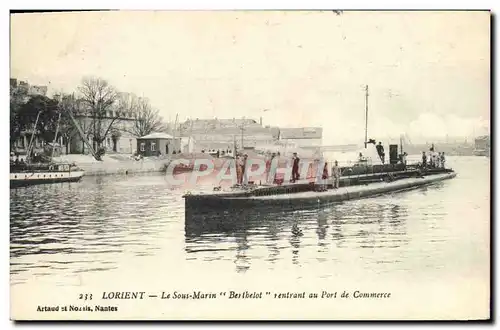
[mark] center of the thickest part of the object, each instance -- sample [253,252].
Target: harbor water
[94,230]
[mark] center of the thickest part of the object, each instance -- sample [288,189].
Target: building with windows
[120,137]
[157,144]
[303,137]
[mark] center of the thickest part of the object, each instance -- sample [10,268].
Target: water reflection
[322,223]
[103,224]
[82,227]
[242,261]
[363,224]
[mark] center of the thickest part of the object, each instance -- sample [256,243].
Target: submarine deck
[302,198]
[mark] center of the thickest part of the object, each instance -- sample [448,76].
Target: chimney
[261,121]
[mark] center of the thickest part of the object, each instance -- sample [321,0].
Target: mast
[175,126]
[366,115]
[30,146]
[55,136]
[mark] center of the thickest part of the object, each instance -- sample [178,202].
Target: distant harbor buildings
[223,134]
[303,137]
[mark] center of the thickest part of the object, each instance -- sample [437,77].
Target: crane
[84,138]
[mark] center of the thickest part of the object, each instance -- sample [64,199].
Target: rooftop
[157,135]
[301,133]
[210,124]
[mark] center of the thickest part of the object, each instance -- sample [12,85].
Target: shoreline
[120,168]
[114,164]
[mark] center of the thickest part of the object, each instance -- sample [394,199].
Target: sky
[428,72]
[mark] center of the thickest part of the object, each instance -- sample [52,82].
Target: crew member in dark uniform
[380,151]
[325,172]
[295,167]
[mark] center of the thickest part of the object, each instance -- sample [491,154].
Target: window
[153,146]
[143,145]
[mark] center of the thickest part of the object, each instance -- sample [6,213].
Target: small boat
[32,174]
[40,169]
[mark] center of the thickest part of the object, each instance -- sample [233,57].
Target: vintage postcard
[250,165]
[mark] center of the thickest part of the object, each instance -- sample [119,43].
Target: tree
[18,97]
[99,99]
[147,120]
[47,120]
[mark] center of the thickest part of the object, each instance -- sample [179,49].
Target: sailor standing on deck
[435,159]
[424,160]
[239,168]
[432,158]
[278,159]
[245,169]
[321,168]
[295,167]
[324,178]
[336,175]
[271,170]
[381,153]
[325,172]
